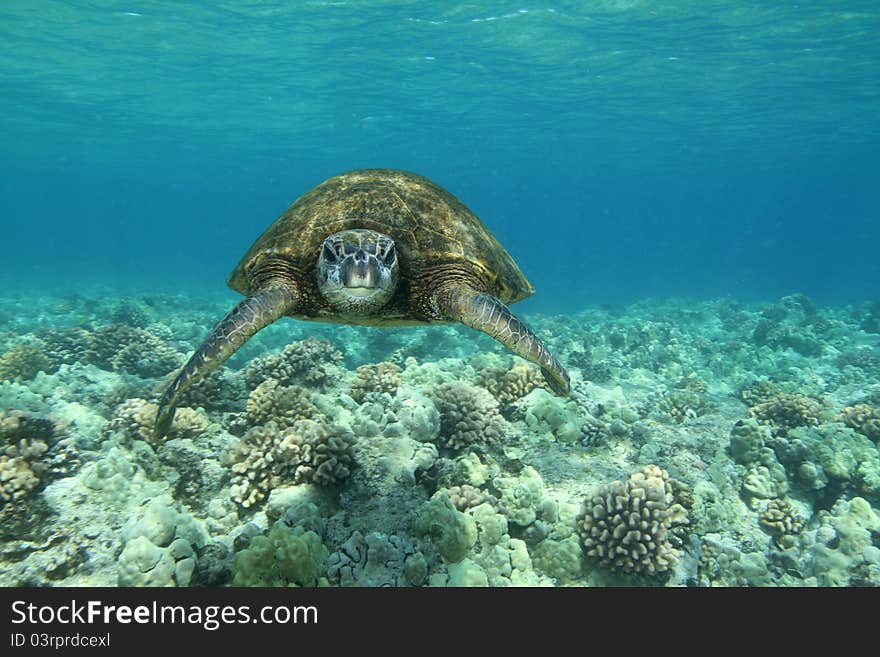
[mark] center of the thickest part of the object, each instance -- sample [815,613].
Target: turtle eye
[390,256]
[328,253]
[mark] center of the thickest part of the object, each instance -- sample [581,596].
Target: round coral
[382,378]
[863,418]
[782,521]
[309,362]
[275,402]
[135,418]
[24,362]
[634,526]
[508,385]
[787,411]
[468,415]
[307,452]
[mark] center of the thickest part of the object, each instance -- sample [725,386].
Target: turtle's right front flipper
[251,314]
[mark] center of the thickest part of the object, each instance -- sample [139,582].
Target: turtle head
[357,270]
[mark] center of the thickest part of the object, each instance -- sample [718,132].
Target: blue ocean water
[620,149]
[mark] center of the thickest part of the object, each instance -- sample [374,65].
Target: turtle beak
[360,272]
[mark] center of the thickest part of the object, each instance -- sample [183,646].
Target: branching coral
[692,383]
[24,440]
[863,418]
[213,392]
[866,359]
[465,497]
[782,521]
[308,451]
[682,405]
[275,402]
[508,385]
[787,411]
[757,392]
[468,415]
[310,362]
[634,526]
[134,420]
[595,432]
[382,377]
[114,347]
[23,362]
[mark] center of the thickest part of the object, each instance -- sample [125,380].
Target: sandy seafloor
[705,443]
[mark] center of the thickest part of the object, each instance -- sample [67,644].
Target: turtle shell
[431,228]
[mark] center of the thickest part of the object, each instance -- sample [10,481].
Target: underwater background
[690,186]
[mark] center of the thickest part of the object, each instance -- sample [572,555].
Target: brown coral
[114,347]
[468,415]
[284,405]
[682,405]
[308,451]
[465,497]
[863,418]
[20,469]
[23,362]
[508,385]
[382,377]
[310,362]
[134,419]
[636,526]
[692,383]
[594,432]
[782,521]
[757,392]
[787,411]
[24,440]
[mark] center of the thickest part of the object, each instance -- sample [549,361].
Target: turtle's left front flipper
[250,315]
[487,314]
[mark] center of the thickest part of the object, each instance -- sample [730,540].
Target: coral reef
[787,411]
[863,418]
[135,418]
[114,347]
[219,390]
[307,451]
[451,532]
[466,497]
[427,457]
[758,392]
[682,405]
[634,526]
[284,405]
[309,362]
[286,556]
[830,458]
[159,546]
[782,521]
[24,361]
[24,441]
[379,378]
[845,553]
[468,415]
[20,469]
[508,385]
[377,560]
[595,432]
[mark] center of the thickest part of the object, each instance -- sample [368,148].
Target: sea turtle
[375,247]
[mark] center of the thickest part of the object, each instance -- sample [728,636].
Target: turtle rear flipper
[487,314]
[249,316]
